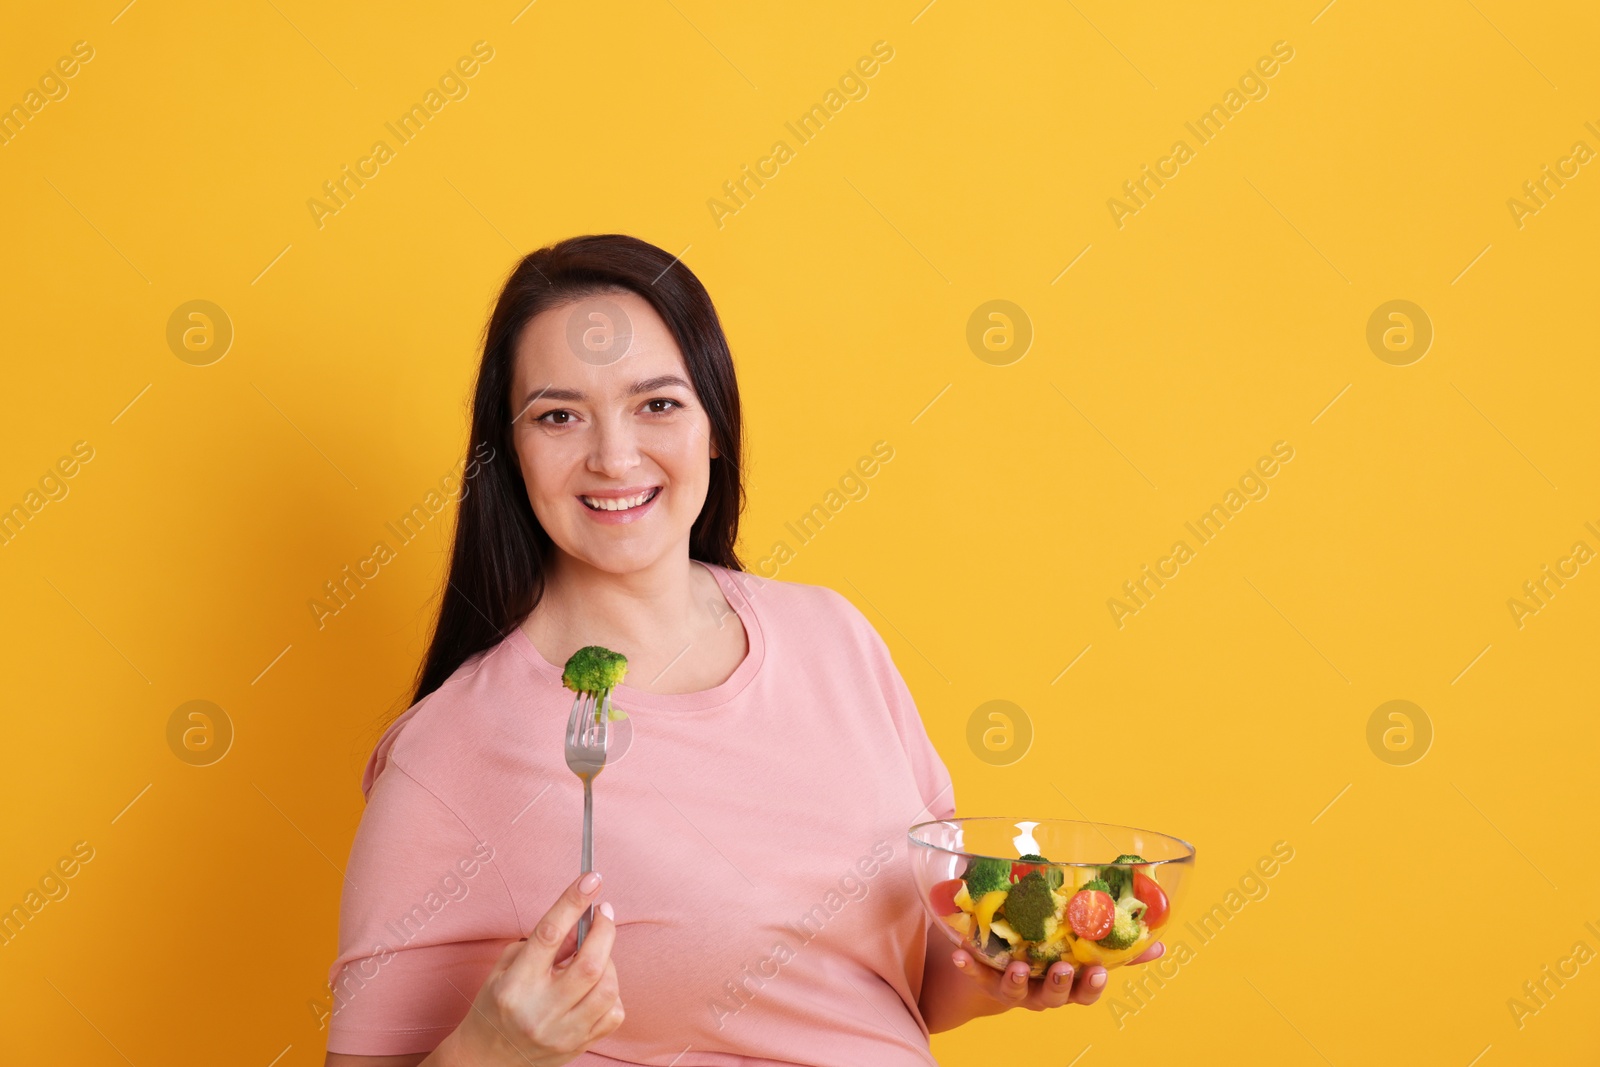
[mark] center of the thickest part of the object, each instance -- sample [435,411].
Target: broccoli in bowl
[1031,910]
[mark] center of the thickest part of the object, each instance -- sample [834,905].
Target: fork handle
[588,855]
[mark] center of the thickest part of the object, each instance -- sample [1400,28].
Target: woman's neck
[649,615]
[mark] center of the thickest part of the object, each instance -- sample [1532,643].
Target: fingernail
[960,962]
[1062,976]
[1019,976]
[1098,980]
[605,909]
[589,882]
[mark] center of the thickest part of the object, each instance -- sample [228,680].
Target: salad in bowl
[992,889]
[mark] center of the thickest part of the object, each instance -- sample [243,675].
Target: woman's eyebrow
[645,385]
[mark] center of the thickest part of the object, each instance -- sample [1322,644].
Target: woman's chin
[619,558]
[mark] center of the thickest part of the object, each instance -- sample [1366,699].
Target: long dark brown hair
[500,552]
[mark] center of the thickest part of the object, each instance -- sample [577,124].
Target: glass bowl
[1108,923]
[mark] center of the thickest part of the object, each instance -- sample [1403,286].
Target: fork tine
[589,728]
[573,720]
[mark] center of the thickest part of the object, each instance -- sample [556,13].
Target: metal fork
[587,736]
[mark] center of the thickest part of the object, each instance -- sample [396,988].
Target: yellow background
[1223,317]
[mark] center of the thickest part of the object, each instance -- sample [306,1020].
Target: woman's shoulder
[435,731]
[818,608]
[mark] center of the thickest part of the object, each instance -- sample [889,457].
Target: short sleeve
[933,778]
[423,916]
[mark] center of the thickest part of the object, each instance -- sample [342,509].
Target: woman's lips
[625,515]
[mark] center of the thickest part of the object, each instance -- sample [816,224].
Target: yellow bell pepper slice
[960,923]
[1003,929]
[987,905]
[1081,876]
[1086,951]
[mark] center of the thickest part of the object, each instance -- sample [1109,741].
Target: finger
[569,944]
[984,976]
[980,972]
[1056,988]
[611,1020]
[600,1011]
[539,953]
[1013,984]
[507,954]
[1154,952]
[585,967]
[1009,986]
[968,966]
[1091,981]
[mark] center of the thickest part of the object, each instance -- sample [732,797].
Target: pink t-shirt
[752,838]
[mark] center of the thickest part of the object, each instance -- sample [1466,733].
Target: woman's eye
[661,405]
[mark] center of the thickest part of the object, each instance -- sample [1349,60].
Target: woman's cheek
[685,443]
[540,495]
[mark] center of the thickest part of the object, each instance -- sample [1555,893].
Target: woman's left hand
[1064,983]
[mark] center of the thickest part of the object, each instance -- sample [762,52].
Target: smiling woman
[606,376]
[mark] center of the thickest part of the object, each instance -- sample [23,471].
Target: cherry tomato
[1154,897]
[1091,913]
[943,897]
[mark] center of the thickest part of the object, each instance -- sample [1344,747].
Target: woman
[757,901]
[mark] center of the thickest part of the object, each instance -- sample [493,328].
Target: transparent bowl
[944,850]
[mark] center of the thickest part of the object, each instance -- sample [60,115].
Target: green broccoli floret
[596,671]
[1053,875]
[1028,905]
[593,669]
[1047,952]
[1125,930]
[1115,875]
[1100,884]
[1128,924]
[985,875]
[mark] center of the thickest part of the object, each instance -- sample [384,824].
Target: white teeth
[620,504]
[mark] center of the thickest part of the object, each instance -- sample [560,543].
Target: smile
[627,503]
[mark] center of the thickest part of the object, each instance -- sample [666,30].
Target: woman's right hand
[533,1011]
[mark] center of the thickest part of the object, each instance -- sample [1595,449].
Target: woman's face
[613,445]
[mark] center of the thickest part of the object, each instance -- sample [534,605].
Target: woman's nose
[615,450]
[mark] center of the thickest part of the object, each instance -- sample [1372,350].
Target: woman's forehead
[604,342]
